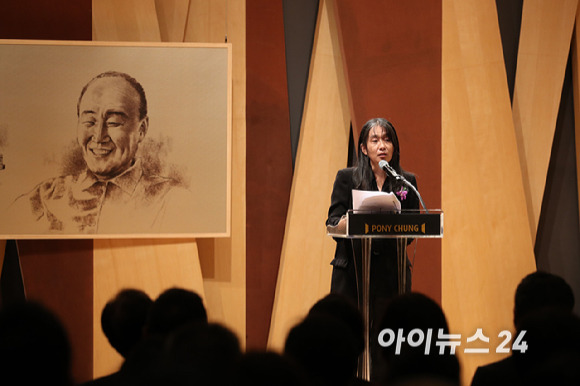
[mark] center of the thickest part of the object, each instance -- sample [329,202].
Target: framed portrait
[115,140]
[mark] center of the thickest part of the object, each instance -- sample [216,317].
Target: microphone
[389,169]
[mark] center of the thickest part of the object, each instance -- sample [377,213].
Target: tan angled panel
[487,248]
[209,20]
[543,51]
[223,261]
[172,17]
[125,20]
[151,265]
[304,274]
[576,89]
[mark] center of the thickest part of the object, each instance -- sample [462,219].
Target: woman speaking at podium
[377,142]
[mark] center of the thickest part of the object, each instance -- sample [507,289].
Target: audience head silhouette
[202,354]
[553,348]
[340,307]
[540,290]
[123,319]
[34,346]
[325,348]
[543,307]
[417,311]
[550,334]
[174,308]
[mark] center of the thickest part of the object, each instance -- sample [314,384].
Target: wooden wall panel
[208,20]
[125,20]
[542,56]
[269,162]
[304,275]
[58,274]
[150,265]
[52,20]
[223,261]
[392,51]
[487,248]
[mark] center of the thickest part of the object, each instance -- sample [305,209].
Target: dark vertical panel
[59,274]
[392,53]
[11,287]
[299,27]
[557,246]
[268,162]
[509,15]
[46,19]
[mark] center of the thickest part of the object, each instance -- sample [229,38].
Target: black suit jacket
[341,202]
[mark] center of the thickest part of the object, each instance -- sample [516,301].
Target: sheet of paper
[374,201]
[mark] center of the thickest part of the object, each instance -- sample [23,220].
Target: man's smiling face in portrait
[110,126]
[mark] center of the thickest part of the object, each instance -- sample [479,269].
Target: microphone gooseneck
[389,170]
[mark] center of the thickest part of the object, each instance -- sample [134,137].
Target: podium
[369,225]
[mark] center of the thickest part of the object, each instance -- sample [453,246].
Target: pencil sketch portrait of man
[110,191]
[106,140]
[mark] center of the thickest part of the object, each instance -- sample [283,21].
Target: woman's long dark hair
[363,174]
